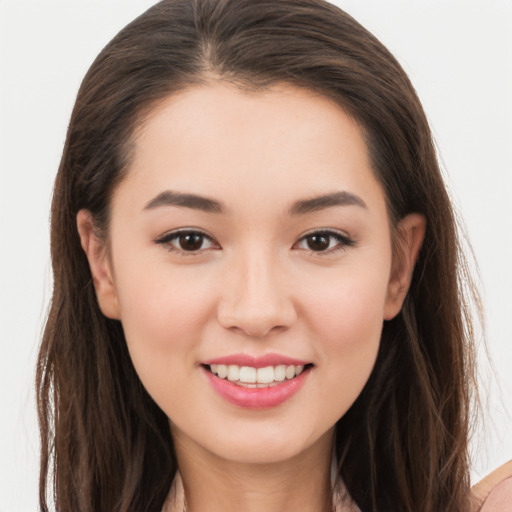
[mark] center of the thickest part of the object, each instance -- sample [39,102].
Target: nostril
[256,308]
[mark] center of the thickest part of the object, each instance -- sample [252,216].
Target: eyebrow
[196,202]
[322,202]
[301,207]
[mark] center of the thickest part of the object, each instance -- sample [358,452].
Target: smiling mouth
[250,377]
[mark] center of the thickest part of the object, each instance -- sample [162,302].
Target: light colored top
[492,494]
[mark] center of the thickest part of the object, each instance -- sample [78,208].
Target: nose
[256,297]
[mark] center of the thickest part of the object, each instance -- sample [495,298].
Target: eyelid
[344,240]
[169,236]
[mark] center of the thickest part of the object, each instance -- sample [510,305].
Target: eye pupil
[318,242]
[191,241]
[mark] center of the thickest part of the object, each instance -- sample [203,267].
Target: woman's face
[250,234]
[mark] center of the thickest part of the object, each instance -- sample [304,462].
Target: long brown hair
[403,445]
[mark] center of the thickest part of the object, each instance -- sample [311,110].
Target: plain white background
[458,55]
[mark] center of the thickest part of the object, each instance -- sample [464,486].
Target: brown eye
[186,241]
[324,241]
[190,241]
[318,242]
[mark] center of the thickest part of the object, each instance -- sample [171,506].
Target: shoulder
[494,492]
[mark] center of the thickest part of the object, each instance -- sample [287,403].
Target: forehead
[218,140]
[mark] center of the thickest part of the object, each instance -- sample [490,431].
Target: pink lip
[256,362]
[256,398]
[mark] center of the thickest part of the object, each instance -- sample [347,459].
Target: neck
[214,484]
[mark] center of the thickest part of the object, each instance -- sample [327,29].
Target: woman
[257,277]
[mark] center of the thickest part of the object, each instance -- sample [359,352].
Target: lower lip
[256,398]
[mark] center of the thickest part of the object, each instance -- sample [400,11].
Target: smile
[256,386]
[251,377]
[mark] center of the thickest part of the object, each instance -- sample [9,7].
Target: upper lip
[256,361]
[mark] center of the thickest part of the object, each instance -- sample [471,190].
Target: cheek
[161,321]
[347,323]
[354,319]
[349,310]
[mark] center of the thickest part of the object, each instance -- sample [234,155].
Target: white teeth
[248,374]
[222,371]
[249,385]
[256,377]
[290,372]
[279,373]
[233,373]
[265,375]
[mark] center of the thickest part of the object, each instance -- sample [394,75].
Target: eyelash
[168,238]
[342,241]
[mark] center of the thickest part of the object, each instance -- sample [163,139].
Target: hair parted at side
[403,445]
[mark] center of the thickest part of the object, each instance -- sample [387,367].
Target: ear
[410,232]
[100,265]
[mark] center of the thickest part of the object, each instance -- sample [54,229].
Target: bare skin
[216,485]
[270,273]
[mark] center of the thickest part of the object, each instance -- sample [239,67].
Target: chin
[265,445]
[259,453]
